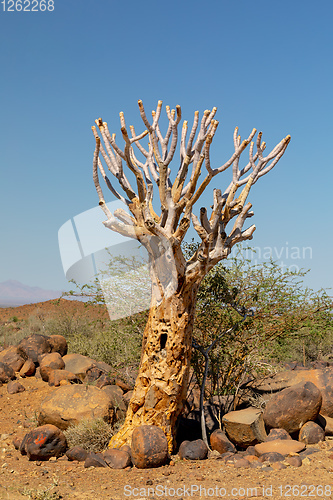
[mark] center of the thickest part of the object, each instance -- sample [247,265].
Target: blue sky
[263,64]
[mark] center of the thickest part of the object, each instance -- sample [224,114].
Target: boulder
[34,346]
[149,447]
[105,379]
[278,434]
[6,373]
[117,459]
[321,378]
[12,358]
[311,433]
[77,453]
[58,344]
[43,443]
[78,364]
[14,387]
[69,404]
[245,427]
[28,369]
[193,450]
[283,446]
[220,442]
[52,360]
[292,407]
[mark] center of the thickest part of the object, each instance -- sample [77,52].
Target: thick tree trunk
[162,382]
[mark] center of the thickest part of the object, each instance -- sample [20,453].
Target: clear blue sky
[263,64]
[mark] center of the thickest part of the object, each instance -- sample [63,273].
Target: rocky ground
[212,478]
[181,479]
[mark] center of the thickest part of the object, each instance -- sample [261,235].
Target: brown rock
[115,394]
[104,380]
[56,377]
[43,443]
[149,447]
[28,369]
[292,407]
[125,387]
[14,387]
[277,434]
[193,450]
[241,463]
[117,459]
[283,446]
[326,423]
[77,453]
[12,358]
[6,373]
[220,442]
[271,456]
[278,466]
[245,427]
[58,344]
[294,461]
[69,404]
[32,347]
[95,460]
[17,442]
[311,433]
[78,364]
[52,360]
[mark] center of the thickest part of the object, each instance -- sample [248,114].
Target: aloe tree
[161,207]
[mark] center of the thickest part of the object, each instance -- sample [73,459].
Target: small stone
[28,369]
[271,457]
[43,443]
[278,434]
[278,466]
[15,387]
[220,442]
[283,446]
[95,460]
[117,459]
[241,463]
[294,461]
[311,433]
[77,453]
[193,450]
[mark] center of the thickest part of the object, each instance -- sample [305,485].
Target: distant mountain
[14,293]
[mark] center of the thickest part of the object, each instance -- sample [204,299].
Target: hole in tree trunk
[163,340]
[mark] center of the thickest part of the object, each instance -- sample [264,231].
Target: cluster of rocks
[298,411]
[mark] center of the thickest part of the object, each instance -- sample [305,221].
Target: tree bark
[161,386]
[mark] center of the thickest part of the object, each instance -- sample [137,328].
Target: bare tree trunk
[161,385]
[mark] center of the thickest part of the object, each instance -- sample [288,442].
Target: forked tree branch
[177,197]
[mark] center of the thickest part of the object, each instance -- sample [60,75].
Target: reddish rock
[149,447]
[6,373]
[45,372]
[12,358]
[125,387]
[92,374]
[28,369]
[95,460]
[43,443]
[56,377]
[311,433]
[117,459]
[278,434]
[34,346]
[77,453]
[52,360]
[326,423]
[292,407]
[283,446]
[220,442]
[241,463]
[193,450]
[14,387]
[58,344]
[78,364]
